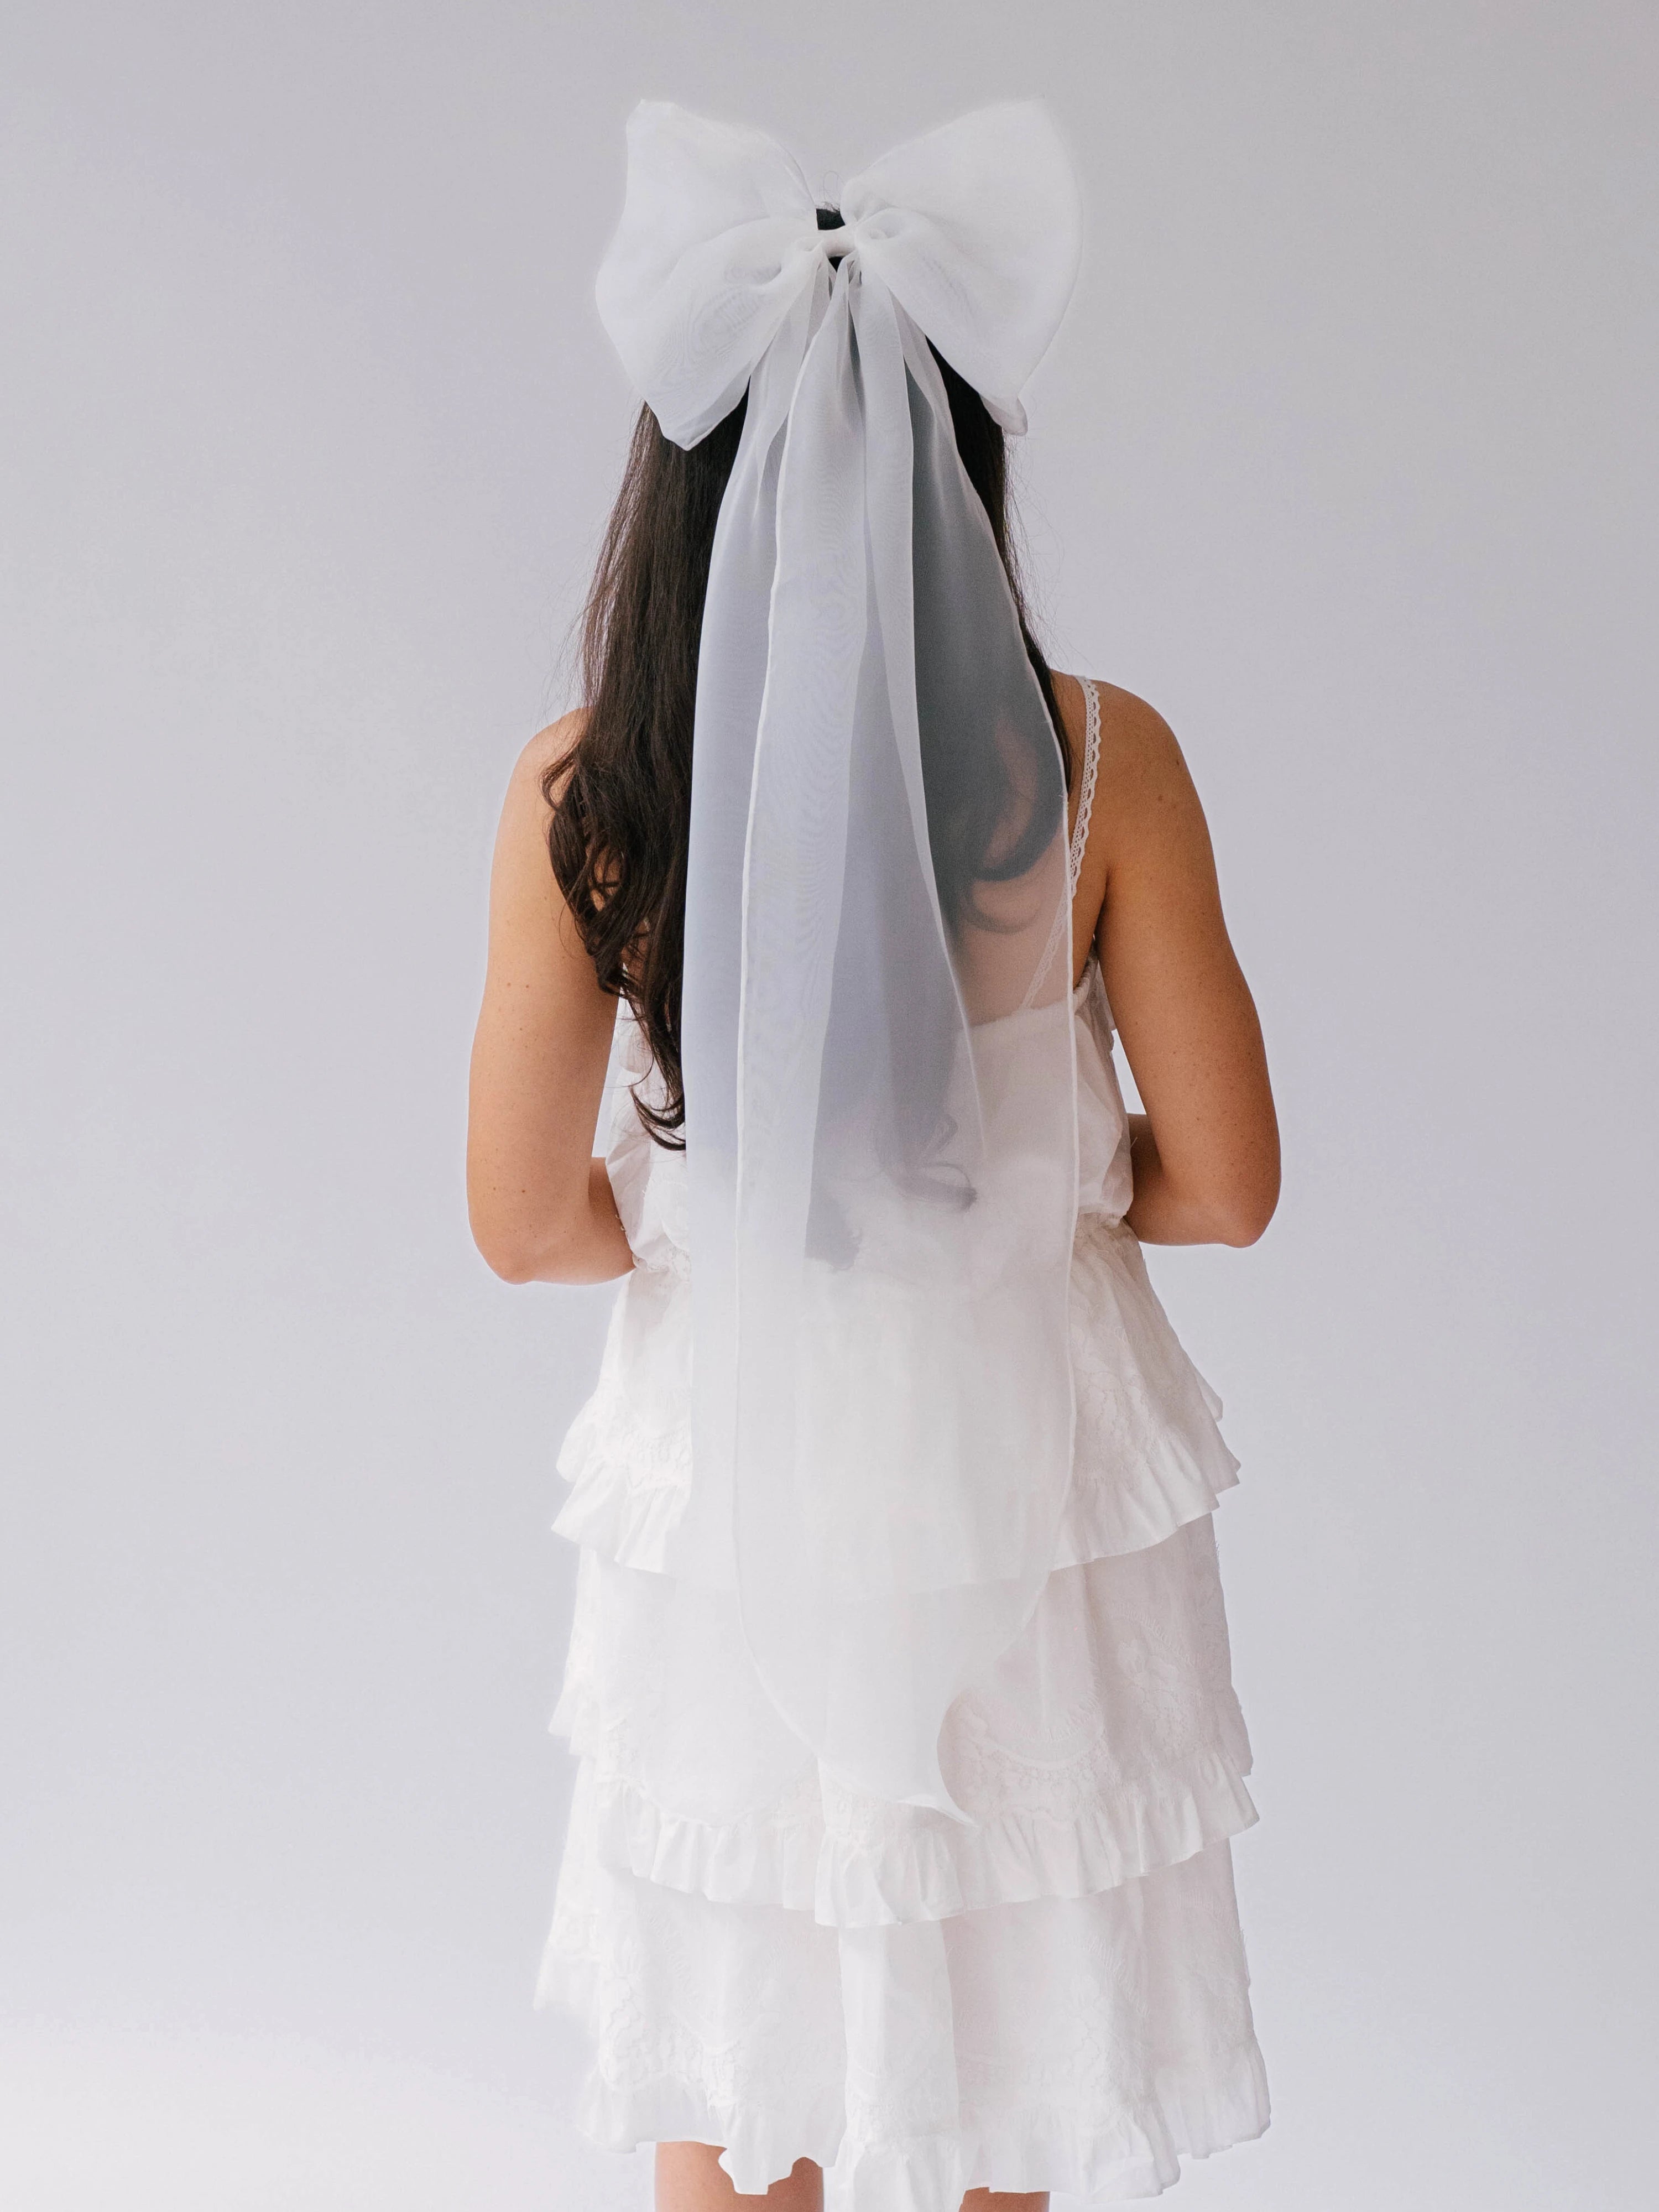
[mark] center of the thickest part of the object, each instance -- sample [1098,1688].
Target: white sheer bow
[877,1035]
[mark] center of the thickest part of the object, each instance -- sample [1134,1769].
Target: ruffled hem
[1019,1858]
[609,1511]
[1183,1481]
[612,1511]
[755,2030]
[1067,2151]
[784,1855]
[1149,1457]
[1048,2149]
[671,2110]
[1057,2149]
[632,1521]
[767,1858]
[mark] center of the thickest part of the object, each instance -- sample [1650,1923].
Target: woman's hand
[540,1204]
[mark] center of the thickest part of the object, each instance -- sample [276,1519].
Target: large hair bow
[877,1035]
[974,229]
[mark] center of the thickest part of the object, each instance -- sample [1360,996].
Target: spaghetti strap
[1086,805]
[1074,851]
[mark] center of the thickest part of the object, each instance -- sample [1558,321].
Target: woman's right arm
[540,1204]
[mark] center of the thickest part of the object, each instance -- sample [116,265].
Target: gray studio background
[1345,459]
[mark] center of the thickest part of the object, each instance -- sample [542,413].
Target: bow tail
[732,677]
[830,1631]
[882,1227]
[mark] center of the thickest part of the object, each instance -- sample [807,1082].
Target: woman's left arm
[540,1204]
[1206,1152]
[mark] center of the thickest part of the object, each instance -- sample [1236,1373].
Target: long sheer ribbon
[877,1033]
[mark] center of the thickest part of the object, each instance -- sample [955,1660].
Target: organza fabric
[877,1043]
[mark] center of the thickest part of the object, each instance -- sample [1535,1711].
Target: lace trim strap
[1086,807]
[1086,804]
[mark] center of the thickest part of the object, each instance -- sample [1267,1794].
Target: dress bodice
[648,1181]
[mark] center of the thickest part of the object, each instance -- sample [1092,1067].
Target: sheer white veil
[877,1035]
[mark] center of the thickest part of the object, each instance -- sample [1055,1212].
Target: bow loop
[974,229]
[715,246]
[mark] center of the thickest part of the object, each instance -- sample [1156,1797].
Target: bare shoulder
[1137,745]
[1146,819]
[1135,740]
[1147,799]
[523,879]
[532,792]
[548,753]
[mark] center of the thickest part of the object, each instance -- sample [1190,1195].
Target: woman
[906,1858]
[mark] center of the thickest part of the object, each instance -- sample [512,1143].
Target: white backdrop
[1345,459]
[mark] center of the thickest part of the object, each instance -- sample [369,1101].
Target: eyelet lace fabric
[1052,1995]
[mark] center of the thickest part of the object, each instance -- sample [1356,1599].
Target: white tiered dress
[1054,1998]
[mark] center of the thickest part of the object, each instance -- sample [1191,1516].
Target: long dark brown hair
[621,798]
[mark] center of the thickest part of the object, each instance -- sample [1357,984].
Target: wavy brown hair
[621,798]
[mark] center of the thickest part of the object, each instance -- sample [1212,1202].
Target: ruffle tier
[1106,1743]
[1082,2045]
[1148,1454]
[1066,2151]
[785,1855]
